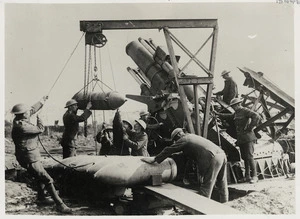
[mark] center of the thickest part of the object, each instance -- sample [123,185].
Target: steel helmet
[108,127]
[20,108]
[235,101]
[175,132]
[70,103]
[127,122]
[143,113]
[141,123]
[225,72]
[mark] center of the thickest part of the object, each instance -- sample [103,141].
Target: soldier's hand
[125,137]
[148,159]
[89,105]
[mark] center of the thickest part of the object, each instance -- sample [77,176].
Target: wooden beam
[189,200]
[194,80]
[274,118]
[99,25]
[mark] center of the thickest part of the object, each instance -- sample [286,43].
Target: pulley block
[96,39]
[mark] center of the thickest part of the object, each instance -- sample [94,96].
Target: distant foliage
[7,129]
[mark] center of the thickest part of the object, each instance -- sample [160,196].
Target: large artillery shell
[119,170]
[100,100]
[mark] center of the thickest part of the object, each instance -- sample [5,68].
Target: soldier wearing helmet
[71,122]
[210,159]
[230,89]
[245,121]
[137,140]
[105,138]
[152,130]
[25,137]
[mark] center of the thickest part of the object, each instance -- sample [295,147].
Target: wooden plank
[188,200]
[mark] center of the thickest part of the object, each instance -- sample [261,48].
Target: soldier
[155,141]
[145,116]
[105,138]
[245,121]
[230,89]
[137,140]
[71,123]
[210,158]
[25,137]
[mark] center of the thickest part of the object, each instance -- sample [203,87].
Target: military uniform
[106,142]
[71,123]
[246,136]
[229,91]
[138,143]
[210,159]
[25,137]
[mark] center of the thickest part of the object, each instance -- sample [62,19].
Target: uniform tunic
[71,123]
[210,158]
[229,91]
[138,143]
[25,138]
[245,135]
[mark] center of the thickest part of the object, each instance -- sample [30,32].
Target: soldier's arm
[86,114]
[29,128]
[225,115]
[37,106]
[222,91]
[167,151]
[136,145]
[255,118]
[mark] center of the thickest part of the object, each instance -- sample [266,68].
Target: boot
[62,208]
[42,198]
[60,205]
[247,177]
[254,179]
[45,201]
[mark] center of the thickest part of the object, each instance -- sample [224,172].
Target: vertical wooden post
[181,92]
[210,86]
[196,99]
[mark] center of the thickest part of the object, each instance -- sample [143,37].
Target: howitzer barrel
[146,63]
[100,100]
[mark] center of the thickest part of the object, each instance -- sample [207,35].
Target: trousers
[216,174]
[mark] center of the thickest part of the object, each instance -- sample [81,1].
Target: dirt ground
[268,197]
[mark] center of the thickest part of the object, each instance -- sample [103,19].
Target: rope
[65,64]
[105,86]
[73,168]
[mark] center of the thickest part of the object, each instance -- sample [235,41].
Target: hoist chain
[95,62]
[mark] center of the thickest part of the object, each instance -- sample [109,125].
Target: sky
[39,39]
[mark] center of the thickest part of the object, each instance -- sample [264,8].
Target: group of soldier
[124,139]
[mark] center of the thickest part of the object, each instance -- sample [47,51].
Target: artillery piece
[155,76]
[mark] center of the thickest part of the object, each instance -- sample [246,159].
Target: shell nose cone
[116,100]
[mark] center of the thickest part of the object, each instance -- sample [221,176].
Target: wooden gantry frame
[97,26]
